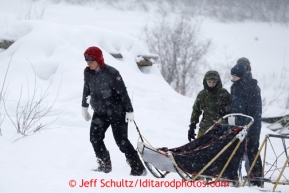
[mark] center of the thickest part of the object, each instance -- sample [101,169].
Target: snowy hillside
[54,46]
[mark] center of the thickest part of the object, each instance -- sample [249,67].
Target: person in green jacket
[213,102]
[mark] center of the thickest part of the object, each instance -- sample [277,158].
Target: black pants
[252,150]
[100,124]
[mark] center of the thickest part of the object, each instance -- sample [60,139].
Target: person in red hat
[105,91]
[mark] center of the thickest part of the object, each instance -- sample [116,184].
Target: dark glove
[191,132]
[224,111]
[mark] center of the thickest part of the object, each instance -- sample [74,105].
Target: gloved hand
[129,116]
[85,113]
[191,132]
[224,111]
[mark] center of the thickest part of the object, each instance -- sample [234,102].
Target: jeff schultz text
[149,183]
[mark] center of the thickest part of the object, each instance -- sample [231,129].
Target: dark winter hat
[245,62]
[238,70]
[212,75]
[96,54]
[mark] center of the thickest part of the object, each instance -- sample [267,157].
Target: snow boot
[104,165]
[255,183]
[137,167]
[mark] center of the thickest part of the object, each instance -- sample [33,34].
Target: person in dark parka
[248,67]
[246,99]
[105,91]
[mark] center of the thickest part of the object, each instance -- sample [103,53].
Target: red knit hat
[96,54]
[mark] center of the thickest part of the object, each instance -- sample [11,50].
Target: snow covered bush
[33,112]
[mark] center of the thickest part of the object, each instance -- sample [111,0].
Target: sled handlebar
[238,114]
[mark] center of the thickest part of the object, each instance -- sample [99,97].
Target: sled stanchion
[254,162]
[278,179]
[227,163]
[249,124]
[216,157]
[283,128]
[278,121]
[219,121]
[263,166]
[231,156]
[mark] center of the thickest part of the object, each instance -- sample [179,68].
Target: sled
[280,170]
[282,120]
[216,154]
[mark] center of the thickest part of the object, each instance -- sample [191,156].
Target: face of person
[235,78]
[93,65]
[211,83]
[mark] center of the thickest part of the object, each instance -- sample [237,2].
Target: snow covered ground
[48,160]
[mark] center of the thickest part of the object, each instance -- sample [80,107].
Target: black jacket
[246,99]
[107,90]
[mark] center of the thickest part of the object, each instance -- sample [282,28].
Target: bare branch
[180,51]
[31,112]
[2,94]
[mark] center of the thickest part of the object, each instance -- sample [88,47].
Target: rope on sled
[143,139]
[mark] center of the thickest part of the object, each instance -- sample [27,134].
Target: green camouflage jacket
[212,104]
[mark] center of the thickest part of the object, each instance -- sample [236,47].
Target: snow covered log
[116,55]
[4,44]
[146,60]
